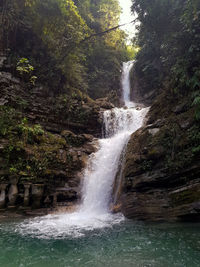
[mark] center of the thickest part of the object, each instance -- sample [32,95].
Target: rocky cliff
[45,142]
[161,172]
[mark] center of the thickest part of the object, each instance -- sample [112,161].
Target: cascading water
[127,66]
[99,175]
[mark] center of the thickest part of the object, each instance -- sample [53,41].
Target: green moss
[77,108]
[9,118]
[179,147]
[28,150]
[72,139]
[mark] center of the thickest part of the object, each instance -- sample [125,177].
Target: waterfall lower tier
[99,177]
[100,174]
[101,171]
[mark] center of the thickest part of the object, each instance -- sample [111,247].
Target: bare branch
[107,31]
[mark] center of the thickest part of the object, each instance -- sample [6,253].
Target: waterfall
[119,124]
[99,175]
[127,66]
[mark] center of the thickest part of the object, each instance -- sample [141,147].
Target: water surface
[123,244]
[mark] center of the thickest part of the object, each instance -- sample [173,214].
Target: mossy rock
[72,139]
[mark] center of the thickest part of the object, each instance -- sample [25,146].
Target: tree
[53,35]
[169,40]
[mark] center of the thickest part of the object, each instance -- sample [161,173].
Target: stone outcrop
[47,173]
[45,143]
[26,194]
[3,195]
[13,191]
[141,92]
[77,113]
[161,172]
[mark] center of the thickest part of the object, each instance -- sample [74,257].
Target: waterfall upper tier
[126,86]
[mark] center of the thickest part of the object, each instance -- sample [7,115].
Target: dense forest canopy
[60,39]
[53,34]
[169,37]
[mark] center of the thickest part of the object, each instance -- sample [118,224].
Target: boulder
[13,191]
[6,78]
[104,103]
[3,195]
[37,194]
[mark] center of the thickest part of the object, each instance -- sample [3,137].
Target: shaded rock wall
[161,172]
[78,113]
[141,92]
[44,170]
[45,142]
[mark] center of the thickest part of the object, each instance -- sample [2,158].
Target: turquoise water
[124,244]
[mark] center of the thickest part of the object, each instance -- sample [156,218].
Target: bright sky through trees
[127,17]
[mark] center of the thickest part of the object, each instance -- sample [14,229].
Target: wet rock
[54,199]
[185,124]
[84,160]
[154,131]
[26,194]
[73,139]
[3,101]
[3,195]
[67,134]
[37,194]
[151,198]
[158,182]
[89,148]
[13,191]
[88,137]
[196,206]
[66,194]
[47,201]
[104,103]
[7,78]
[179,108]
[157,124]
[2,59]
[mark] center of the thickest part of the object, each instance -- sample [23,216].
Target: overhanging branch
[106,31]
[99,34]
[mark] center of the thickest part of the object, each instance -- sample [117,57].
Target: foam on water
[60,226]
[99,175]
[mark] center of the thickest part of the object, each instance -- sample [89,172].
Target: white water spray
[99,175]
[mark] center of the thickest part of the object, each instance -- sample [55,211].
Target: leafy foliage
[169,38]
[7,117]
[53,34]
[25,70]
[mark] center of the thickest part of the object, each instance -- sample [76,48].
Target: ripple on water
[122,244]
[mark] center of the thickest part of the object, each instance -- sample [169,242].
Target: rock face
[161,175]
[77,113]
[45,143]
[141,92]
[44,173]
